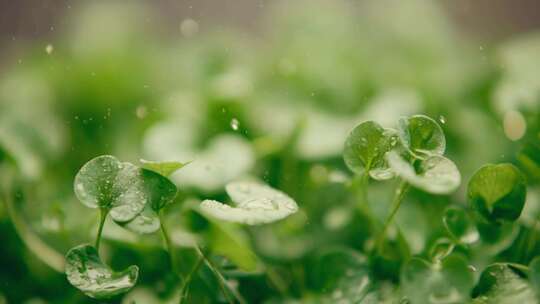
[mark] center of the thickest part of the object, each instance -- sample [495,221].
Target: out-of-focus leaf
[460,225]
[502,284]
[497,192]
[255,204]
[86,271]
[449,281]
[437,174]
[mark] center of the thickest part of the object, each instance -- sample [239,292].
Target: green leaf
[125,189]
[145,222]
[437,174]
[498,192]
[502,284]
[160,192]
[422,136]
[365,149]
[534,275]
[86,271]
[460,225]
[255,204]
[165,168]
[449,281]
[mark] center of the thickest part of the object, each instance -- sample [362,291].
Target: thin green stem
[102,217]
[223,286]
[168,243]
[396,203]
[184,288]
[31,240]
[277,281]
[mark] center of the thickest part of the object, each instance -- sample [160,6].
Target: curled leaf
[86,271]
[498,192]
[255,204]
[422,136]
[365,148]
[437,174]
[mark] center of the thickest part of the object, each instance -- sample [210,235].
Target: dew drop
[442,119]
[235,124]
[49,49]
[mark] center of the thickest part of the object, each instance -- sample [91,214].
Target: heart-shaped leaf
[165,168]
[255,204]
[422,136]
[460,225]
[437,174]
[365,149]
[498,192]
[86,271]
[502,284]
[449,281]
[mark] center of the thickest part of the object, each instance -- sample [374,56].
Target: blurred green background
[265,89]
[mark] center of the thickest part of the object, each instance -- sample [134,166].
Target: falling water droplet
[442,119]
[49,49]
[189,27]
[235,124]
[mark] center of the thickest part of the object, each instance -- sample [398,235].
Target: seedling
[133,197]
[414,153]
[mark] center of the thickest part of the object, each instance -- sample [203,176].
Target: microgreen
[497,192]
[460,225]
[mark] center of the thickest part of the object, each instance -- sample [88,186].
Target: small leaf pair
[414,152]
[132,195]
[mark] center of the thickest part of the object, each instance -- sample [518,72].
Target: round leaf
[422,136]
[255,204]
[365,148]
[460,225]
[437,174]
[86,271]
[94,182]
[498,192]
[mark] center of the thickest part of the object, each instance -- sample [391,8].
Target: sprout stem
[168,243]
[185,284]
[102,217]
[396,203]
[224,287]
